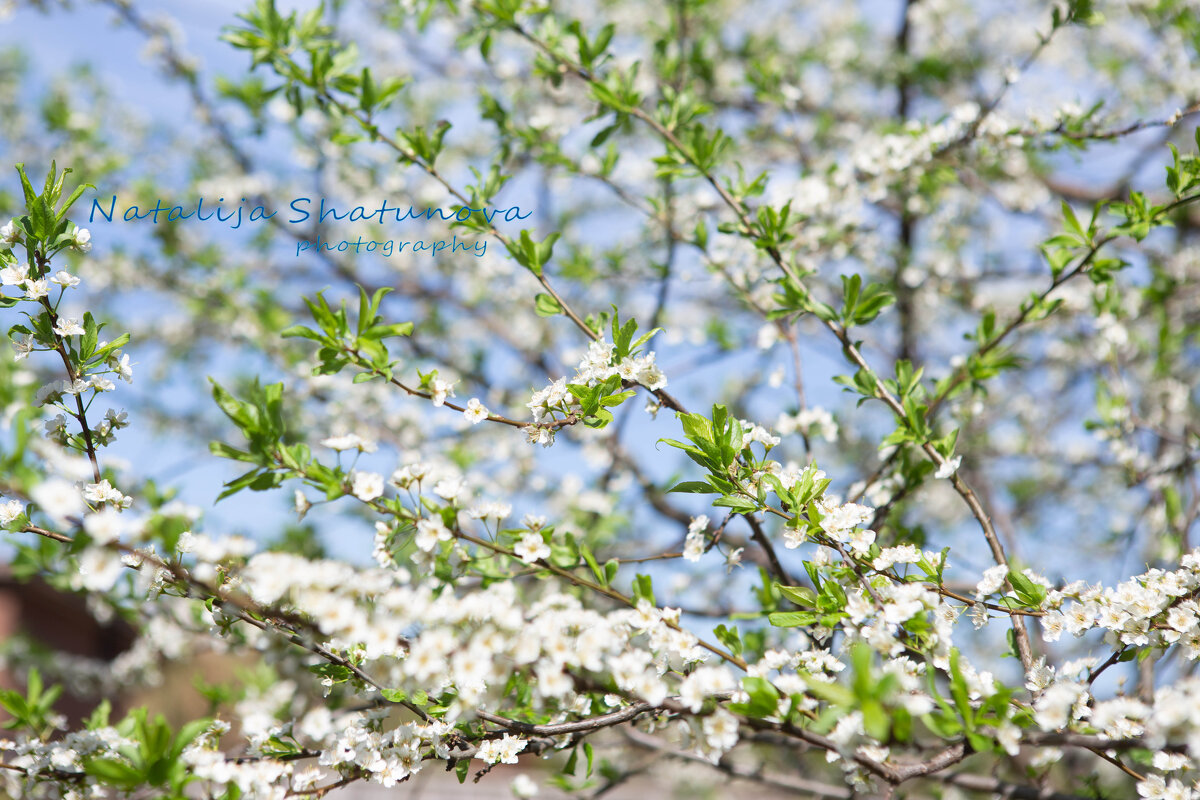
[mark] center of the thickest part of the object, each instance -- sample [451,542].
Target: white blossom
[531,547]
[10,510]
[948,468]
[475,411]
[68,327]
[367,486]
[501,751]
[83,240]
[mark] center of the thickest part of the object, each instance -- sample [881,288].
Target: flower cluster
[1155,609]
[556,401]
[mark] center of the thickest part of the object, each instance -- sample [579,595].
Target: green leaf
[692,487]
[547,306]
[800,595]
[75,195]
[643,588]
[26,186]
[1029,592]
[764,698]
[111,347]
[791,619]
[742,505]
[99,716]
[113,772]
[235,409]
[239,483]
[227,451]
[960,692]
[301,331]
[876,721]
[586,552]
[187,734]
[730,637]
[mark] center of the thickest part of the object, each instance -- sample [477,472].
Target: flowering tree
[584,453]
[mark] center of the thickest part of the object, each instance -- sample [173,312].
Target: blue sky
[88,33]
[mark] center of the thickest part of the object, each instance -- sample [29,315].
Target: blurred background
[144,100]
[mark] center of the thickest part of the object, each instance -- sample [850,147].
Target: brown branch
[81,414]
[793,784]
[580,726]
[1024,648]
[760,537]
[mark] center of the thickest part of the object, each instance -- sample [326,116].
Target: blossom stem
[81,415]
